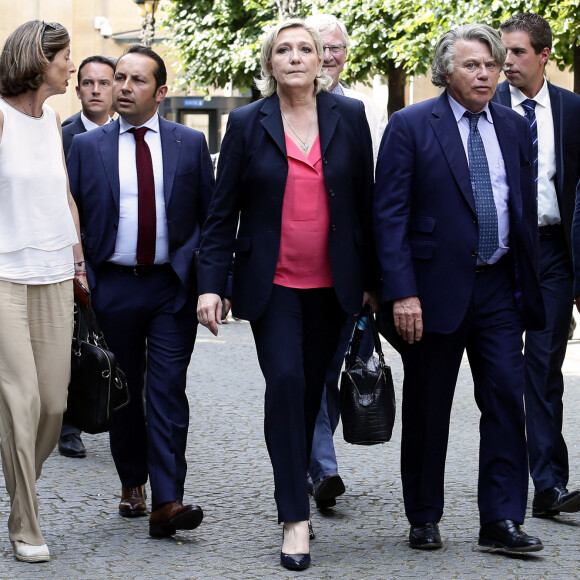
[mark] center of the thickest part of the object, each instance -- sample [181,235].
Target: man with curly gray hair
[456,236]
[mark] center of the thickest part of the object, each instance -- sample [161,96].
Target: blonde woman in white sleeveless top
[39,257]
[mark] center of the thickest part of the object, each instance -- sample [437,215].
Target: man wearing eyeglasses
[327,484]
[335,41]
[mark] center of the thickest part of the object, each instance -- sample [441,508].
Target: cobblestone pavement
[230,477]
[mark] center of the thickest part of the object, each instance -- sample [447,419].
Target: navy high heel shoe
[295,561]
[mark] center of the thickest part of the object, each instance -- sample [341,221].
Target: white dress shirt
[548,210]
[126,247]
[89,124]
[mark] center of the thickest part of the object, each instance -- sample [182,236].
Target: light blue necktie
[529,106]
[482,190]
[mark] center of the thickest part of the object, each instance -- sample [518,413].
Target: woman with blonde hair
[40,254]
[296,170]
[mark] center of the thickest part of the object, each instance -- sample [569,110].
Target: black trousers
[491,333]
[296,338]
[544,355]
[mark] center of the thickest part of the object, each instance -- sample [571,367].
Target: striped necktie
[482,190]
[529,106]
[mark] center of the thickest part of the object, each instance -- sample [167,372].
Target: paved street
[230,477]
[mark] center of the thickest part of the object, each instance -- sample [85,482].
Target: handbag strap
[354,345]
[376,337]
[87,327]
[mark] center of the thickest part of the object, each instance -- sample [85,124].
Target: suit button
[331,192]
[332,227]
[324,161]
[474,253]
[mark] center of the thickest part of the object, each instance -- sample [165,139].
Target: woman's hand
[209,311]
[372,299]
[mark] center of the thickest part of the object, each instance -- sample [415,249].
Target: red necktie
[146,186]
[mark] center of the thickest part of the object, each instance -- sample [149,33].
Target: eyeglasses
[334,48]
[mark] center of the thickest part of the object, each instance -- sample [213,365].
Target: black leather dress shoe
[71,445]
[505,536]
[554,500]
[326,490]
[164,521]
[425,536]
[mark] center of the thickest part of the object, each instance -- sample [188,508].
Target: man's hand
[408,318]
[209,311]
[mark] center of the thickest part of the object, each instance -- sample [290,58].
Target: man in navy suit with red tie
[143,187]
[554,116]
[456,237]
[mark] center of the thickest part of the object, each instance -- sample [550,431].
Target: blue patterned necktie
[529,106]
[482,190]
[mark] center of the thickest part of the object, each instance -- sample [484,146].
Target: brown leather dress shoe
[132,503]
[172,516]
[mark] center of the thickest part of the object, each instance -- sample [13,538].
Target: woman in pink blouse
[296,174]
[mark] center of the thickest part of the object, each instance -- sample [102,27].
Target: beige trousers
[35,348]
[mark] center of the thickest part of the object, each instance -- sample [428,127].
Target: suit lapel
[170,148]
[445,127]
[108,142]
[327,111]
[79,127]
[503,95]
[272,121]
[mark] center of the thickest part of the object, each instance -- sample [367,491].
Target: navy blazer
[251,181]
[566,115]
[74,127]
[425,219]
[93,166]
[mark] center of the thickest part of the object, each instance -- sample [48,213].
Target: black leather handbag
[98,387]
[367,393]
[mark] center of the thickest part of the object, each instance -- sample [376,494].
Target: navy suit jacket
[425,219]
[251,181]
[566,114]
[71,119]
[93,166]
[74,127]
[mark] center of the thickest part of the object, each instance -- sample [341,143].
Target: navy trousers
[153,346]
[323,458]
[544,355]
[492,335]
[296,338]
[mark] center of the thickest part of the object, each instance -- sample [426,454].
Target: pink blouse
[303,260]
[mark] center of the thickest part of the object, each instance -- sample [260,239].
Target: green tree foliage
[218,41]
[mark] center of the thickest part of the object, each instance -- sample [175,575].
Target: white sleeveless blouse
[37,231]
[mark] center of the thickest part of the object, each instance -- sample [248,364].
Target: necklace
[304,142]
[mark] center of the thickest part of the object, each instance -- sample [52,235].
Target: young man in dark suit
[554,116]
[95,91]
[143,187]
